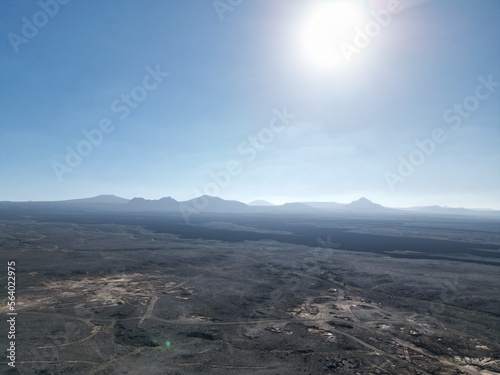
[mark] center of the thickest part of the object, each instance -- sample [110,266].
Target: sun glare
[326,28]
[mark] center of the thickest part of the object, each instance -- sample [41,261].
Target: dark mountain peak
[363,200]
[137,199]
[216,204]
[108,196]
[167,199]
[105,198]
[139,202]
[364,204]
[210,197]
[166,203]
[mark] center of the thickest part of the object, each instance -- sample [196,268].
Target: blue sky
[352,123]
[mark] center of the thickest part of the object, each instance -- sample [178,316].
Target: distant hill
[325,205]
[163,204]
[208,203]
[363,204]
[106,199]
[205,203]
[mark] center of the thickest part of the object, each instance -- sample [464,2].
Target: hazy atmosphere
[277,100]
[250,187]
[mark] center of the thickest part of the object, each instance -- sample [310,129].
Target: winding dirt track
[149,315]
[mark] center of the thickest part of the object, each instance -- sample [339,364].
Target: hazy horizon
[283,101]
[273,203]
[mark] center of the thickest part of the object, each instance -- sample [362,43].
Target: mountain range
[205,203]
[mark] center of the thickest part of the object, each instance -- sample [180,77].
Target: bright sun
[329,25]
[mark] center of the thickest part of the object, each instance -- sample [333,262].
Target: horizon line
[253,200]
